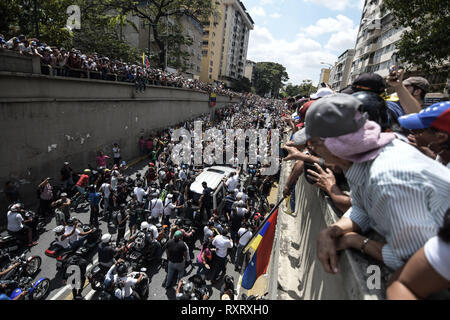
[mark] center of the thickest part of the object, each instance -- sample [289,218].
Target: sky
[300,34]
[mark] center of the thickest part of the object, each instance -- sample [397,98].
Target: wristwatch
[363,246]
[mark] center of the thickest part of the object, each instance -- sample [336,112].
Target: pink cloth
[362,145]
[101,161]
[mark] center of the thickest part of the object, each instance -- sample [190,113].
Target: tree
[269,78]
[304,89]
[241,85]
[156,14]
[426,41]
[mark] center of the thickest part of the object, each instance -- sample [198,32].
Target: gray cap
[419,82]
[331,116]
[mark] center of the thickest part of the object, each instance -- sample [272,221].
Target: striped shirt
[401,194]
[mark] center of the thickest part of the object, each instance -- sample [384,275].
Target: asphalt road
[58,291]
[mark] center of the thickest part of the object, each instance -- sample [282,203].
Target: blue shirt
[403,195]
[396,108]
[94,198]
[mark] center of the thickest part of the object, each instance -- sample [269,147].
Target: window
[204,52]
[205,43]
[210,69]
[211,63]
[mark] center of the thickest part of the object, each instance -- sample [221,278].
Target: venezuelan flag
[262,244]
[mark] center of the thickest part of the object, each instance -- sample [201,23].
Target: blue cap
[428,117]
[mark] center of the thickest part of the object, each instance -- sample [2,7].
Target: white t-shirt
[126,285]
[105,189]
[207,233]
[156,207]
[168,207]
[75,235]
[232,183]
[140,193]
[116,152]
[437,253]
[247,235]
[114,182]
[63,243]
[14,221]
[154,231]
[222,244]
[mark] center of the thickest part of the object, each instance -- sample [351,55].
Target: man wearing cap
[176,252]
[17,224]
[63,205]
[411,92]
[431,129]
[395,189]
[169,206]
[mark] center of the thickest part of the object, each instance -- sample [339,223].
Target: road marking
[239,286]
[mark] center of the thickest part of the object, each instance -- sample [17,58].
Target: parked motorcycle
[28,267]
[35,290]
[142,288]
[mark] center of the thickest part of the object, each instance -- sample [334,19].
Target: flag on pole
[262,244]
[143,58]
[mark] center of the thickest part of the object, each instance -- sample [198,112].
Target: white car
[213,176]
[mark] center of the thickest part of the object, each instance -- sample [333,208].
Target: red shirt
[84,180]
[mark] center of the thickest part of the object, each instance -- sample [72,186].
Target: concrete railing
[295,271]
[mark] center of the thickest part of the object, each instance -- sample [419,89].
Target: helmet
[138,175]
[188,287]
[145,225]
[239,196]
[375,107]
[106,238]
[87,171]
[151,164]
[178,222]
[59,229]
[122,270]
[241,203]
[70,221]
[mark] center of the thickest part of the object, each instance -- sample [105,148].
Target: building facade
[225,42]
[324,76]
[340,73]
[375,44]
[249,65]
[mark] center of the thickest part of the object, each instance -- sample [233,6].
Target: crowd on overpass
[392,154]
[74,63]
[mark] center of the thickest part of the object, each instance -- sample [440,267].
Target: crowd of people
[74,63]
[394,155]
[141,202]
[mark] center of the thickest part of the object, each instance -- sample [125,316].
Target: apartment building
[340,73]
[324,76]
[249,65]
[225,42]
[375,44]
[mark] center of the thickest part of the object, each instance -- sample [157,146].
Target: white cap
[58,229]
[170,196]
[239,196]
[322,92]
[106,237]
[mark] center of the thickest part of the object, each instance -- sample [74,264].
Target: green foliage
[269,78]
[426,44]
[156,12]
[242,85]
[304,89]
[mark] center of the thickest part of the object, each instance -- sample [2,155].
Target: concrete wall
[45,121]
[296,273]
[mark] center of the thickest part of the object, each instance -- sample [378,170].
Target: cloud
[338,5]
[342,40]
[275,15]
[329,25]
[302,56]
[257,12]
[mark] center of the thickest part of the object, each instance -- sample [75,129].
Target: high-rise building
[340,73]
[324,75]
[225,42]
[375,44]
[249,65]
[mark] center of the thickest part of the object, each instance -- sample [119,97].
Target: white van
[213,176]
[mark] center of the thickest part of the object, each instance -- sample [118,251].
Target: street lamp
[329,64]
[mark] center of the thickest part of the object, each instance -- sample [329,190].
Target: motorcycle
[35,290]
[253,297]
[142,288]
[138,255]
[91,241]
[77,199]
[28,267]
